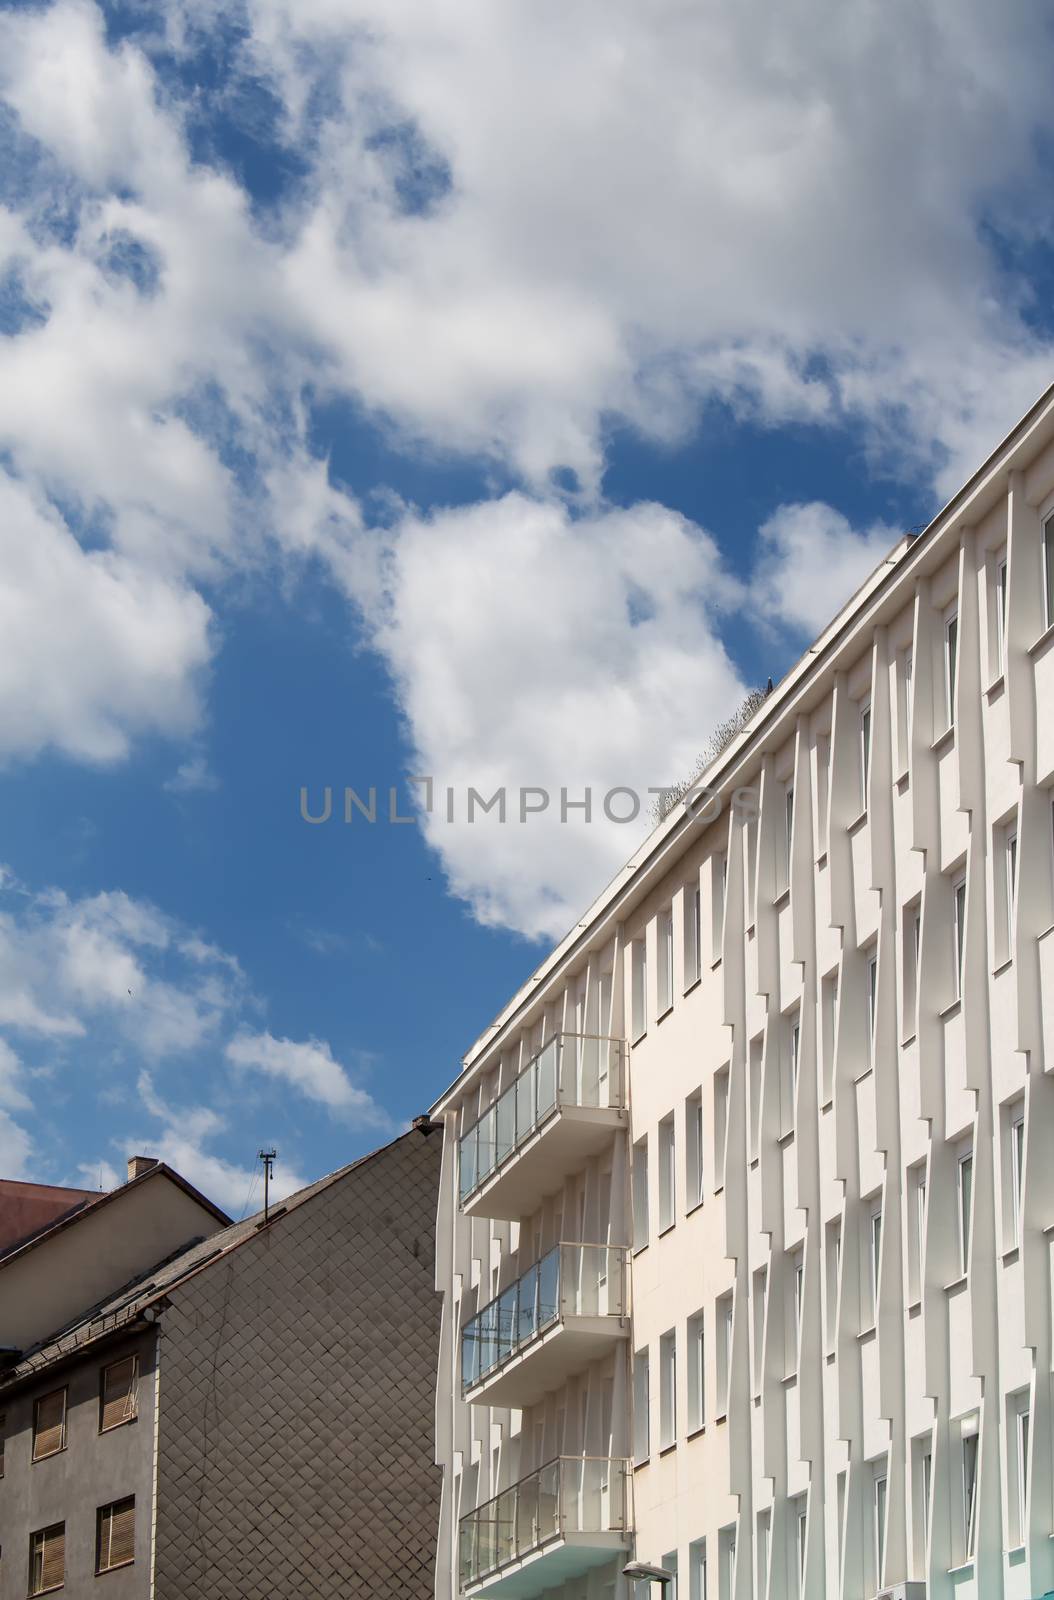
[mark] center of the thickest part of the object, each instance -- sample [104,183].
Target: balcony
[563,1313]
[569,1516]
[562,1109]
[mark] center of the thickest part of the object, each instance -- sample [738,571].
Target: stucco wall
[297,1385]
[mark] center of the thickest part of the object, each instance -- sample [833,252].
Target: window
[639,985]
[669,1561]
[964,1191]
[720,1124]
[757,1061]
[726,1550]
[696,1372]
[664,996]
[693,1138]
[880,1498]
[1017,1438]
[911,943]
[1016,1143]
[969,1484]
[800,1524]
[718,893]
[904,708]
[917,1225]
[921,1482]
[693,917]
[1048,574]
[797,1304]
[828,1025]
[789,837]
[1009,875]
[668,1390]
[49,1424]
[959,915]
[119,1393]
[951,664]
[697,1570]
[641,1407]
[872,1004]
[667,1174]
[874,1257]
[115,1536]
[759,1302]
[865,752]
[832,1263]
[763,1535]
[823,784]
[1000,614]
[724,1351]
[640,1193]
[47,1558]
[789,1086]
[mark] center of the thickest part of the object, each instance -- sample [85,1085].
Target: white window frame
[800,1512]
[667,1390]
[1016,1155]
[917,1193]
[639,1185]
[874,1255]
[725,1321]
[694,1154]
[641,1405]
[1001,596]
[865,752]
[907,675]
[718,896]
[721,1089]
[639,988]
[664,962]
[791,1053]
[969,1451]
[871,972]
[1018,1441]
[964,1204]
[695,1349]
[880,1519]
[1010,869]
[797,1304]
[959,931]
[667,1173]
[697,1570]
[693,933]
[832,1272]
[951,662]
[759,1306]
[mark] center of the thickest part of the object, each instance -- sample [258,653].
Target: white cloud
[16,1148]
[192,777]
[309,1067]
[811,560]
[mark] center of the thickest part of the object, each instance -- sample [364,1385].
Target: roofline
[321,1186]
[654,849]
[92,1207]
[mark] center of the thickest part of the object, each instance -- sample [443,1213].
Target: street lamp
[642,1570]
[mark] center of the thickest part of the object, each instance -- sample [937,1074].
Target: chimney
[137,1165]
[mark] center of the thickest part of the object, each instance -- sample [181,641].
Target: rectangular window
[959,948]
[639,984]
[693,915]
[917,1226]
[664,995]
[823,785]
[669,1562]
[789,835]
[718,894]
[115,1535]
[1000,615]
[759,1302]
[1048,574]
[641,1407]
[964,1189]
[969,1487]
[47,1558]
[909,702]
[720,1125]
[829,1024]
[696,1372]
[800,1524]
[832,1265]
[951,664]
[1017,1435]
[49,1424]
[797,1302]
[697,1570]
[693,1138]
[921,1479]
[881,1486]
[1016,1140]
[667,1174]
[724,1351]
[791,1051]
[872,1005]
[763,1537]
[875,1258]
[1010,883]
[865,752]
[119,1393]
[640,1193]
[911,943]
[726,1550]
[757,1061]
[668,1389]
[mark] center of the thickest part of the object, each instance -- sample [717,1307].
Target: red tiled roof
[26,1208]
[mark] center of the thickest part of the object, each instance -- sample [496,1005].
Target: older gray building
[251,1415]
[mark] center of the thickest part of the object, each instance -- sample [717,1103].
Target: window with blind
[115,1542]
[49,1424]
[119,1393]
[47,1558]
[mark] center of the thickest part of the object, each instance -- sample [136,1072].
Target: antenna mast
[268,1158]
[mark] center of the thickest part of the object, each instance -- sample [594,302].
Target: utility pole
[268,1158]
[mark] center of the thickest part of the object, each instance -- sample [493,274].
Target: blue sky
[359,418]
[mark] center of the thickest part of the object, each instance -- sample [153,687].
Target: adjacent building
[747,1202]
[247,1411]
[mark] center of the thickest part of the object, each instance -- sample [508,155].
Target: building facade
[251,1414]
[746,1212]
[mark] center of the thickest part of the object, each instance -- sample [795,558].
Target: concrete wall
[94,1470]
[50,1283]
[297,1381]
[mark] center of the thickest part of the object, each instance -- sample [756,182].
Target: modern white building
[747,1204]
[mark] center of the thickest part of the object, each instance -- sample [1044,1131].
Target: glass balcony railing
[570,1070]
[570,1496]
[570,1280]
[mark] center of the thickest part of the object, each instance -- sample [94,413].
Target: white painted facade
[823,1133]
